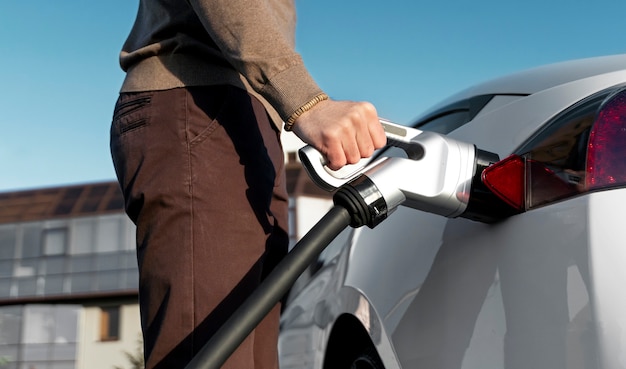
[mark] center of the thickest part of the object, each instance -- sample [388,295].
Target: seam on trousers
[191,223]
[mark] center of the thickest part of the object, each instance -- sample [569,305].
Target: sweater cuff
[290,90]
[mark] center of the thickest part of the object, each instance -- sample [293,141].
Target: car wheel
[367,360]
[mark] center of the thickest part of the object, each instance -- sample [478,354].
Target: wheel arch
[347,339]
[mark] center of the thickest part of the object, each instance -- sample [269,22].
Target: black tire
[368,359]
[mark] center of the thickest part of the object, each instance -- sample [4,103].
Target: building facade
[68,278]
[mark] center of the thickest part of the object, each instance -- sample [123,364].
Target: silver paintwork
[543,289]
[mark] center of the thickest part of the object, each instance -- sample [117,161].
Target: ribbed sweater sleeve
[250,35]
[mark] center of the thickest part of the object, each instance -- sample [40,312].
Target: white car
[543,288]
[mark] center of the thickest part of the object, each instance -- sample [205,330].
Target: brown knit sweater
[246,43]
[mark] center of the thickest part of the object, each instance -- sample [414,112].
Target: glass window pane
[64,352]
[131,279]
[7,242]
[82,239]
[38,324]
[5,287]
[53,285]
[108,281]
[110,323]
[31,242]
[54,241]
[26,286]
[66,329]
[10,324]
[11,365]
[9,353]
[35,352]
[6,268]
[80,264]
[53,265]
[33,364]
[128,239]
[108,234]
[81,282]
[109,261]
[26,268]
[62,365]
[129,260]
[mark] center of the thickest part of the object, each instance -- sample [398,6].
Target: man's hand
[343,131]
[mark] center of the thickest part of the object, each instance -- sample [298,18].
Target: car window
[453,116]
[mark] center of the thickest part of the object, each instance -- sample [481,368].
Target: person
[195,142]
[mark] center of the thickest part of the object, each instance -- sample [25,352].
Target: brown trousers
[202,173]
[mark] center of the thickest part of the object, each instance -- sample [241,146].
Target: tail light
[606,152]
[523,183]
[582,150]
[506,180]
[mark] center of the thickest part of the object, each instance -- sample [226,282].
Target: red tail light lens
[606,153]
[583,149]
[523,183]
[506,180]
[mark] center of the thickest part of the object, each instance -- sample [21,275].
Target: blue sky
[59,73]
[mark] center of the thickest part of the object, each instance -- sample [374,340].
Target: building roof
[60,202]
[105,197]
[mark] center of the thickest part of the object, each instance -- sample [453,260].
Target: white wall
[290,142]
[309,210]
[94,354]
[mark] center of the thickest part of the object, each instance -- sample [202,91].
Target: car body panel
[530,81]
[541,289]
[503,129]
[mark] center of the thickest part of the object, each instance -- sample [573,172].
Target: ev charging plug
[439,175]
